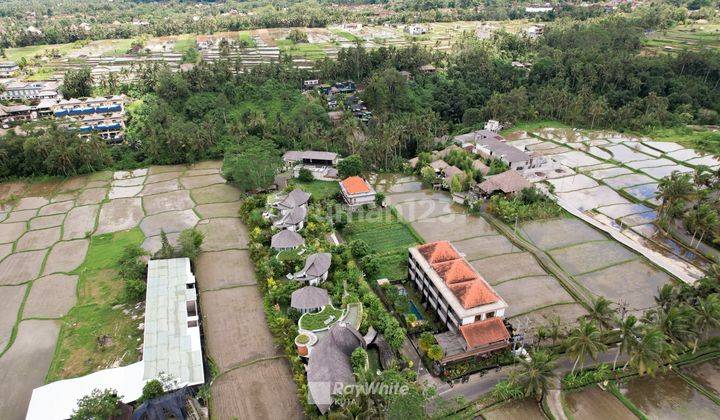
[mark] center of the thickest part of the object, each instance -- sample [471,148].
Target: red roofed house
[357,192]
[462,299]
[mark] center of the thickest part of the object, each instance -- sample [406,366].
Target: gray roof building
[293,218]
[286,239]
[439,165]
[508,182]
[310,156]
[295,198]
[329,369]
[316,266]
[172,335]
[309,297]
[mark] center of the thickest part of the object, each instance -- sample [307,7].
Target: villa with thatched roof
[315,270]
[508,182]
[286,239]
[309,299]
[329,369]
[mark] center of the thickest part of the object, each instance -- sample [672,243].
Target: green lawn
[119,47]
[534,125]
[320,320]
[320,190]
[14,54]
[347,35]
[98,313]
[386,236]
[303,50]
[183,43]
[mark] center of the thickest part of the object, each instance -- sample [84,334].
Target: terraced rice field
[613,178]
[59,245]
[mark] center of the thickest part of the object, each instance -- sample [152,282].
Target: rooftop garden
[316,321]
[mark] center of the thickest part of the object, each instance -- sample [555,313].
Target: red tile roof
[482,333]
[437,252]
[465,283]
[455,271]
[473,293]
[355,185]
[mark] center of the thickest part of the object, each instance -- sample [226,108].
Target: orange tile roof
[473,293]
[465,283]
[437,252]
[455,271]
[355,185]
[485,332]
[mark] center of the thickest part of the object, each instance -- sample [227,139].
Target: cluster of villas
[340,97]
[490,145]
[104,116]
[18,90]
[356,191]
[462,300]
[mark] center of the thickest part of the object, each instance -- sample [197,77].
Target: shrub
[359,248]
[98,405]
[166,249]
[151,390]
[134,290]
[350,166]
[132,267]
[305,175]
[190,242]
[359,360]
[379,198]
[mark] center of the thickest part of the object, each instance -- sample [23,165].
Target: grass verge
[98,333]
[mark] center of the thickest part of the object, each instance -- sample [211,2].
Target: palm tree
[666,296]
[677,187]
[652,351]
[629,331]
[600,311]
[676,323]
[584,341]
[554,329]
[701,219]
[707,314]
[535,374]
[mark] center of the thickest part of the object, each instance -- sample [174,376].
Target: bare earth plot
[46,232]
[595,404]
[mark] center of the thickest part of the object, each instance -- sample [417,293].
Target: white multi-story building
[17,90]
[8,69]
[451,286]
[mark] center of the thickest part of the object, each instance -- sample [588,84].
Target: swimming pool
[414,310]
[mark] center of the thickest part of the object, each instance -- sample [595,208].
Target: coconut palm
[584,341]
[674,188]
[629,331]
[677,323]
[701,219]
[534,374]
[555,329]
[666,296]
[601,311]
[707,314]
[652,351]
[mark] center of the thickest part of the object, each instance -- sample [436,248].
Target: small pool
[414,310]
